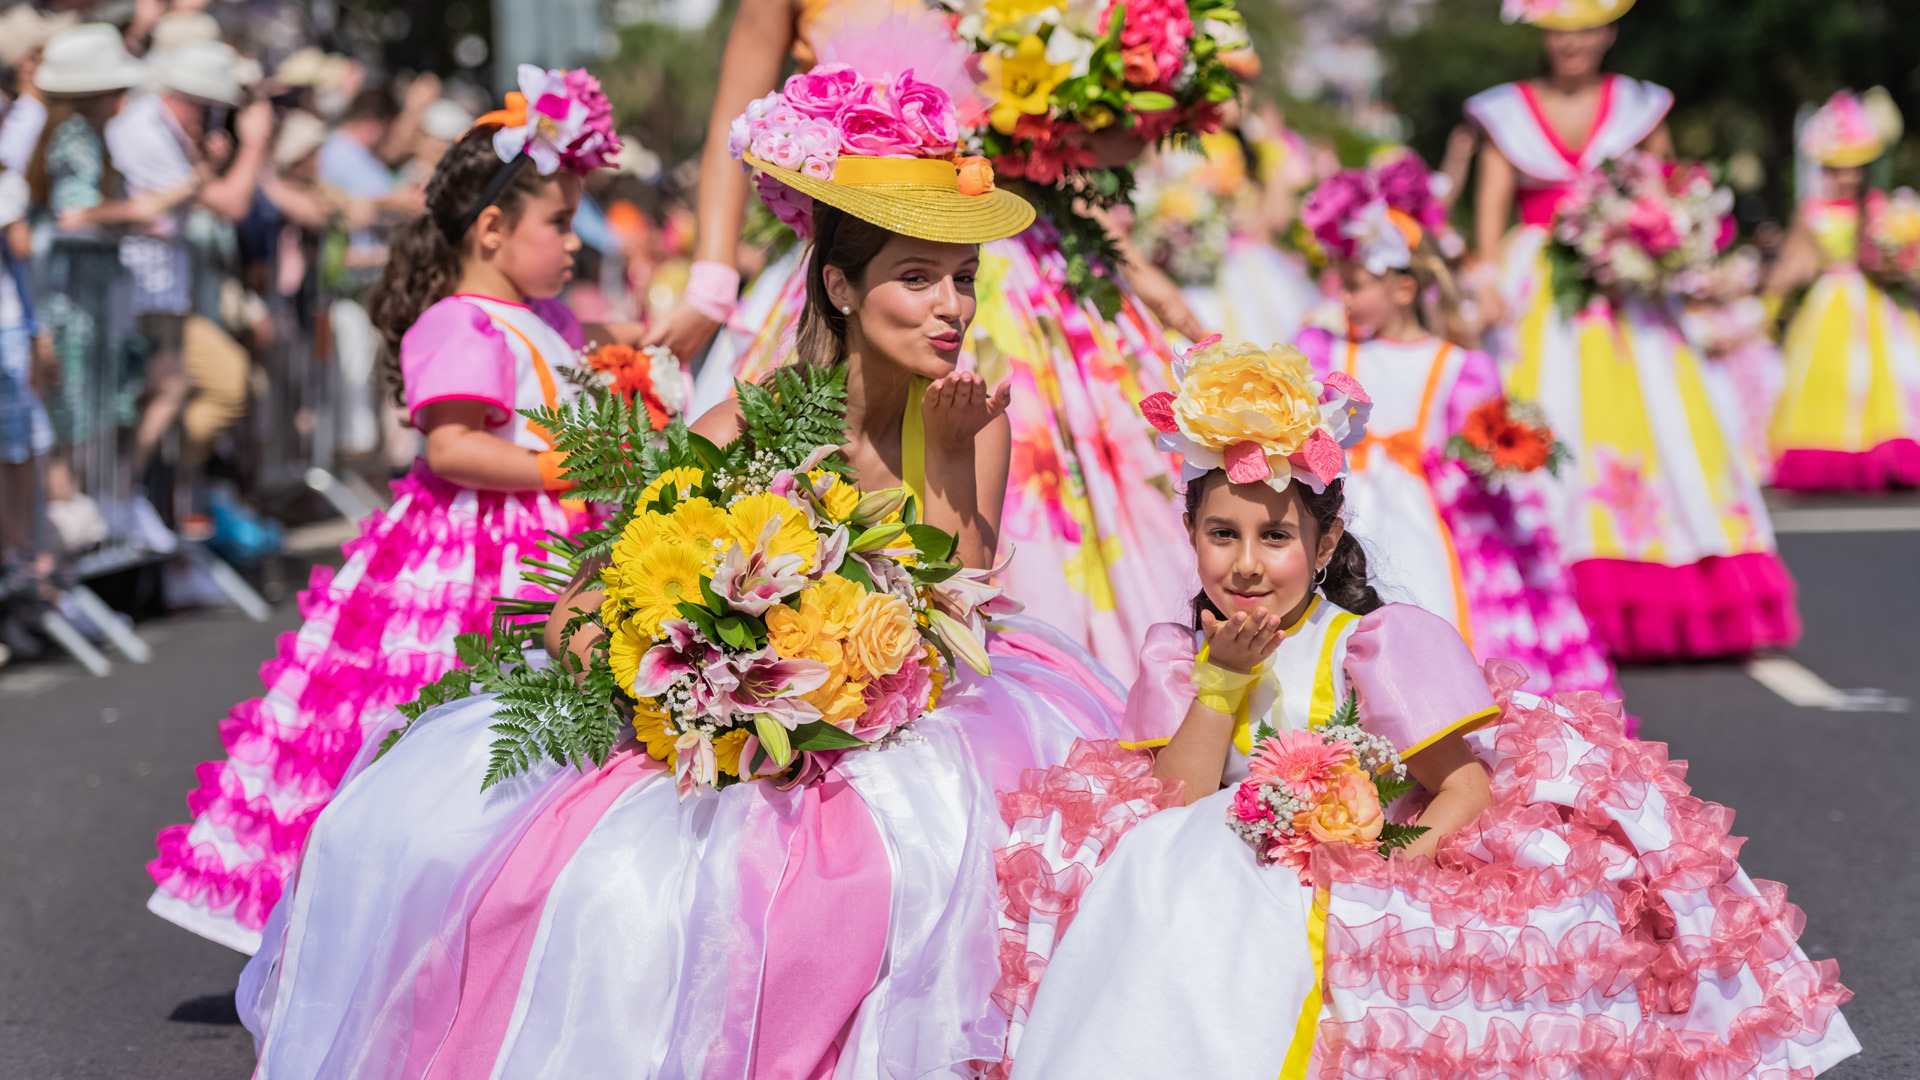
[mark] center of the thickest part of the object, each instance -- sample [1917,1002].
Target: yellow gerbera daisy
[651,726]
[640,534]
[625,645]
[681,480]
[698,522]
[796,537]
[726,751]
[664,576]
[840,499]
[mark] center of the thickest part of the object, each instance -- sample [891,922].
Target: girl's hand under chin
[1242,641]
[957,407]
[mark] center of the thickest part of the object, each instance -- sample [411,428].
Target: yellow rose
[793,631]
[1348,811]
[840,700]
[726,751]
[884,634]
[698,522]
[650,725]
[838,600]
[795,537]
[1236,392]
[681,480]
[840,499]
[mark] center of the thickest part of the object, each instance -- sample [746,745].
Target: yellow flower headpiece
[1259,413]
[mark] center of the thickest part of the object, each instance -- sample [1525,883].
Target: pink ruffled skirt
[375,632]
[1593,922]
[1726,605]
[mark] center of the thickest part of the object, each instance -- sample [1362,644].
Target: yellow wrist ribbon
[1219,689]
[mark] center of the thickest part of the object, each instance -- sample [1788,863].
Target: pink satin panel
[501,930]
[1537,204]
[826,934]
[1415,676]
[1164,689]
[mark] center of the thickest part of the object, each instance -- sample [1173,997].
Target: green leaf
[1389,789]
[854,570]
[1150,101]
[820,735]
[936,544]
[393,736]
[734,633]
[1394,836]
[1348,714]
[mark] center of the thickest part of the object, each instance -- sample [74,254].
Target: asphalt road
[91,768]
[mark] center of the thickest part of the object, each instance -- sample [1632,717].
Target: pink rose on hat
[822,92]
[927,110]
[875,131]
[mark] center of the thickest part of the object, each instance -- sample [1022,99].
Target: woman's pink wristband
[713,290]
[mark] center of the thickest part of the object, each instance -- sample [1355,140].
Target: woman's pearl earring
[846,309]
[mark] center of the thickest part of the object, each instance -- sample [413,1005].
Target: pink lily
[757,581]
[745,685]
[697,767]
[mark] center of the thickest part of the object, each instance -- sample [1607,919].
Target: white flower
[1065,48]
[1378,242]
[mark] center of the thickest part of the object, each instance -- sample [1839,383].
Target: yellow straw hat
[1575,14]
[918,197]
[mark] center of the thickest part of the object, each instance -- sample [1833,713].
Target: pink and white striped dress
[376,630]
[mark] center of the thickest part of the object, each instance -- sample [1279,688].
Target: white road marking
[1847,519]
[1800,686]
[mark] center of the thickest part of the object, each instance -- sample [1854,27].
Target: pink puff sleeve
[561,317]
[453,352]
[1318,345]
[1478,383]
[1416,678]
[1163,692]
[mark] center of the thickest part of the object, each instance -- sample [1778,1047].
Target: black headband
[488,196]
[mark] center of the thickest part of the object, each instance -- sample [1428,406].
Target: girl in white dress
[1572,911]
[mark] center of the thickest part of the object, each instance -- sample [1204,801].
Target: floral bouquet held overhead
[760,613]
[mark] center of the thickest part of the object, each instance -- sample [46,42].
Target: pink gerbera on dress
[1301,760]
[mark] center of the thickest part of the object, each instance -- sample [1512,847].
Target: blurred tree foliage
[662,79]
[1740,71]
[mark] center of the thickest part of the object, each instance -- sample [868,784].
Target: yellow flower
[625,645]
[681,480]
[664,576]
[1095,117]
[793,631]
[1026,82]
[1245,392]
[698,522]
[838,601]
[796,537]
[640,534]
[884,634]
[1003,13]
[937,674]
[726,751]
[840,499]
[840,700]
[650,724]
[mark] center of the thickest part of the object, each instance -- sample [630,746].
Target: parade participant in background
[1086,490]
[682,910]
[1659,517]
[1551,900]
[473,338]
[1472,545]
[1849,414]
[1209,216]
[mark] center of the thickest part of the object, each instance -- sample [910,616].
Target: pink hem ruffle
[1894,463]
[1720,606]
[424,575]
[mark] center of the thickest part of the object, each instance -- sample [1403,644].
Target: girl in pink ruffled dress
[1572,911]
[466,308]
[1478,553]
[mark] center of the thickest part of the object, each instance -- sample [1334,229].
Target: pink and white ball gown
[377,630]
[1482,557]
[1592,923]
[1660,517]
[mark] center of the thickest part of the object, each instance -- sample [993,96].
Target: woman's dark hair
[1346,580]
[96,109]
[423,260]
[849,243]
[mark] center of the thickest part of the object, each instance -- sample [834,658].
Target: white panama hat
[178,28]
[201,69]
[301,133]
[87,59]
[446,120]
[23,29]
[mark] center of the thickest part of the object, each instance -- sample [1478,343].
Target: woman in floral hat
[1849,415]
[1380,860]
[1659,514]
[1085,488]
[639,920]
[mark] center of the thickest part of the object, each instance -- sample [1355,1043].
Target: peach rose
[793,631]
[883,635]
[976,176]
[1347,813]
[1235,393]
[841,700]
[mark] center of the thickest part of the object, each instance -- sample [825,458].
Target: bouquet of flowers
[1330,786]
[1184,209]
[1063,70]
[1639,224]
[1503,438]
[650,377]
[1890,248]
[760,610]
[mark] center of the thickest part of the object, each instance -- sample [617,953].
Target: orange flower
[1141,68]
[1486,423]
[976,175]
[1347,813]
[1521,448]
